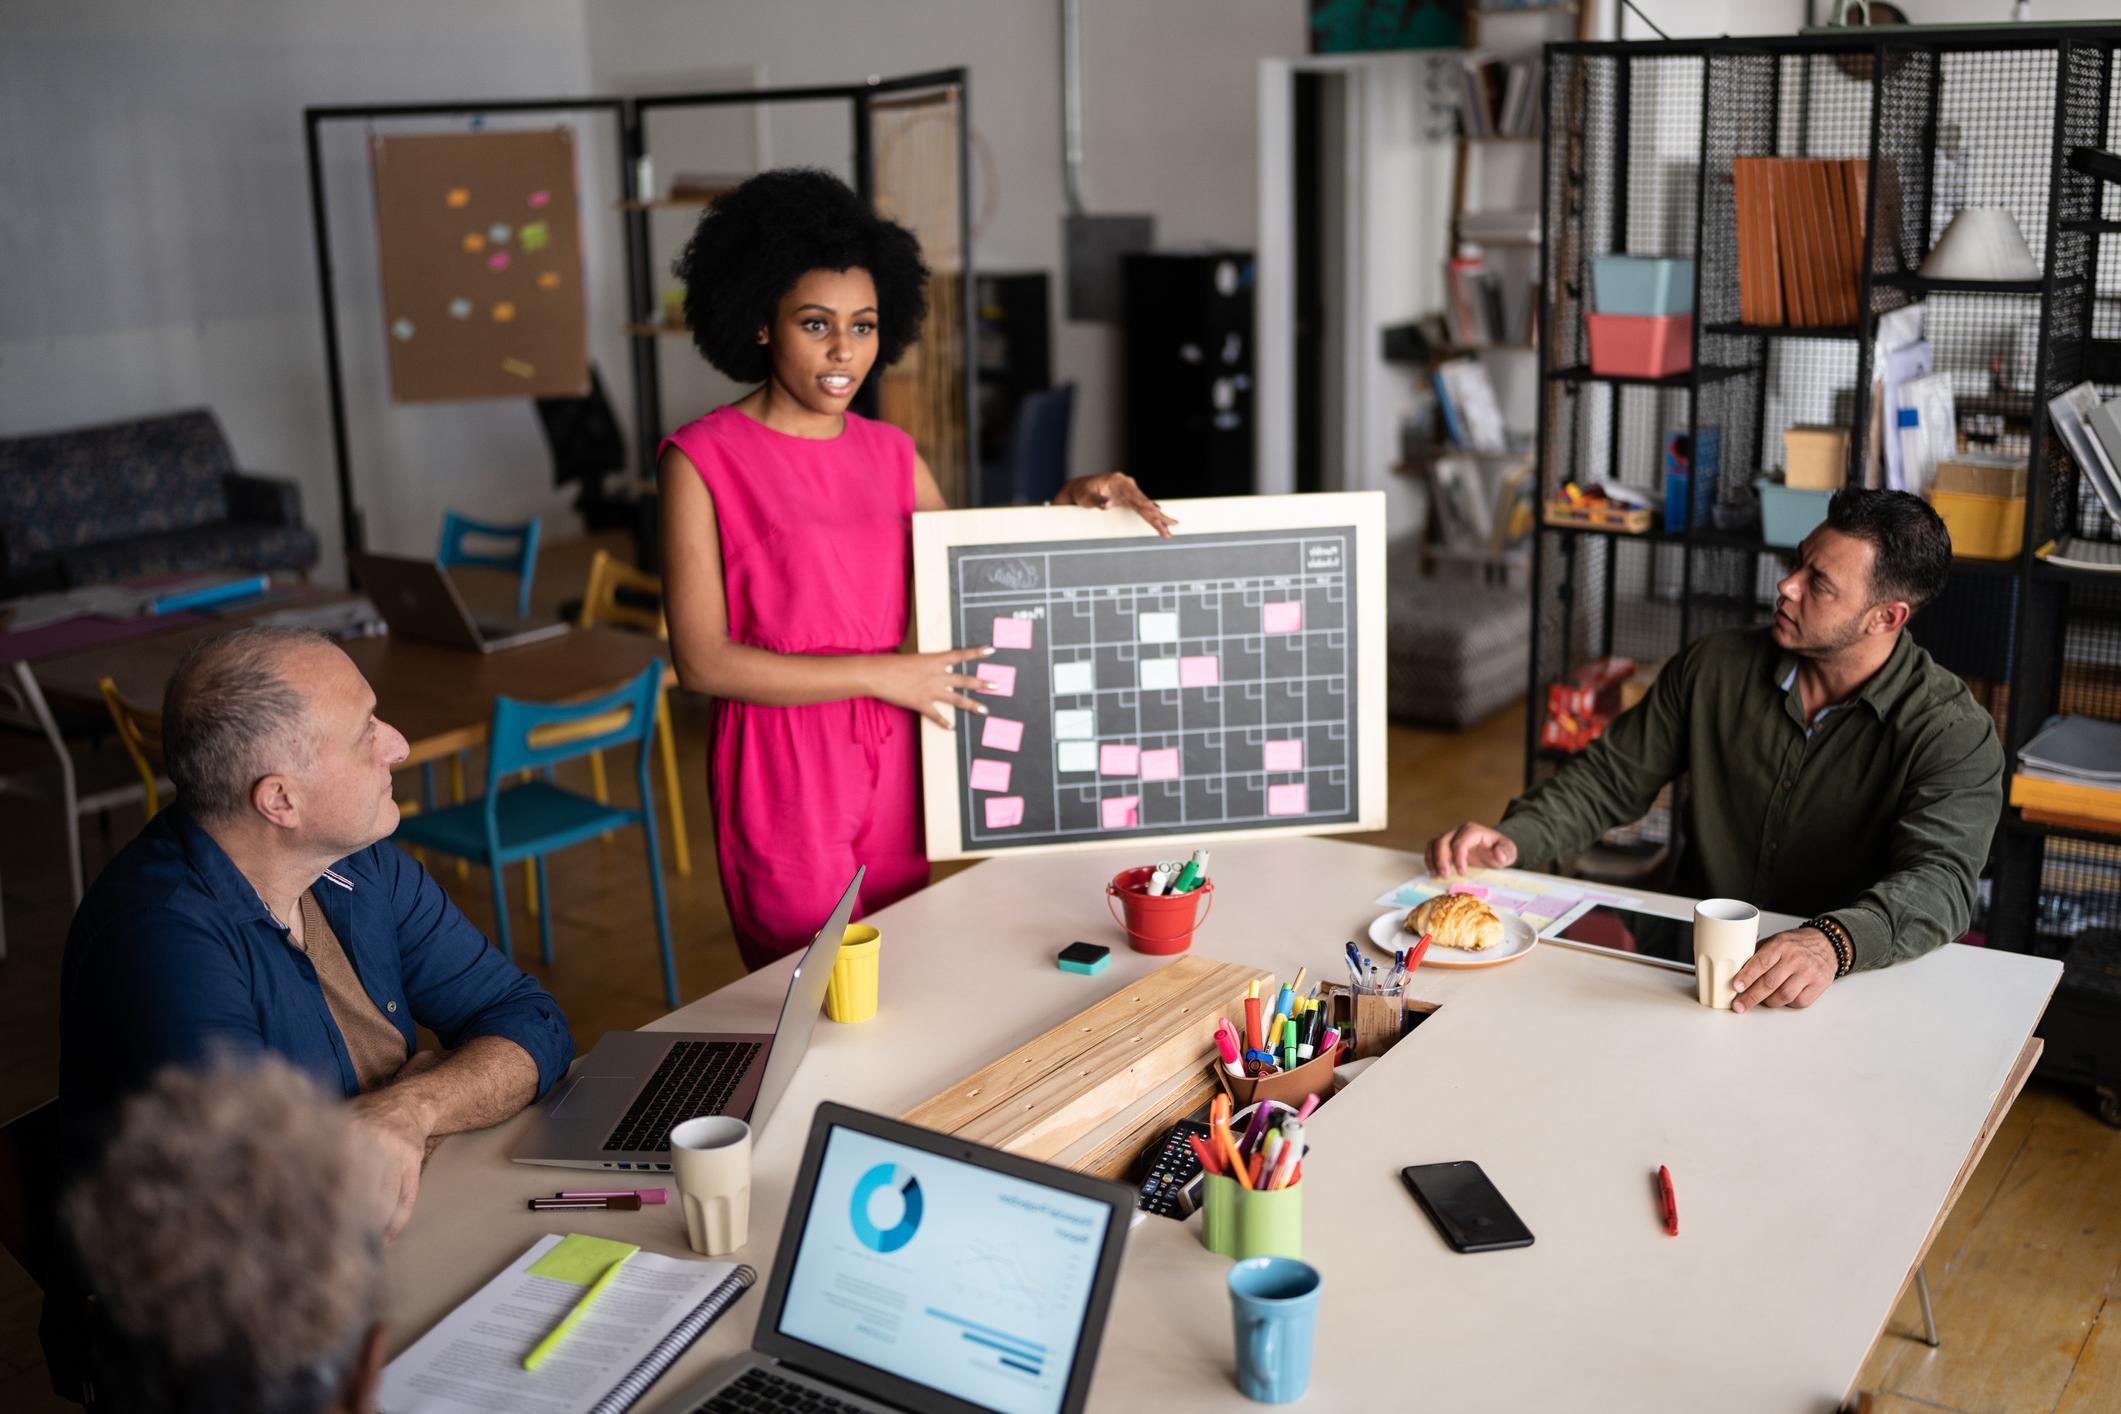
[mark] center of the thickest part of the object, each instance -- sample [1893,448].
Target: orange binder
[1789,239]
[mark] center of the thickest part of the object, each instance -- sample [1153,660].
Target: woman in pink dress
[787,555]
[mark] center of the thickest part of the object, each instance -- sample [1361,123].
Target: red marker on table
[1670,1200]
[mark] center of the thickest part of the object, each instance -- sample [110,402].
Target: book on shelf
[2075,747]
[1499,227]
[2073,413]
[1800,224]
[1472,417]
[1498,98]
[1481,309]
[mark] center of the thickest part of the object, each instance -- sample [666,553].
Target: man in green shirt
[1834,770]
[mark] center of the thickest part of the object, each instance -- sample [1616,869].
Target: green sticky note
[580,1259]
[534,236]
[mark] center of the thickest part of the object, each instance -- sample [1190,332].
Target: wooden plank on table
[1052,1091]
[1111,1149]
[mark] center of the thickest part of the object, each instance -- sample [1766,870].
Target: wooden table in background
[440,698]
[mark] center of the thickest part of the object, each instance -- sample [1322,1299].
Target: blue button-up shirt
[173,957]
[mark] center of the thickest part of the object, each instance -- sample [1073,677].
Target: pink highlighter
[1226,1043]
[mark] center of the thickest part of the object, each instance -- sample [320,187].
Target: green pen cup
[1240,1222]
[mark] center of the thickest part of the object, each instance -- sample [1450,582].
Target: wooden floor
[2022,1274]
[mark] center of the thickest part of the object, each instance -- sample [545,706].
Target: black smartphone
[1467,1209]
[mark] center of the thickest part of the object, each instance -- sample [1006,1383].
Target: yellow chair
[141,731]
[601,604]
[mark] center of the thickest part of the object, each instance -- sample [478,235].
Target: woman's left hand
[1115,490]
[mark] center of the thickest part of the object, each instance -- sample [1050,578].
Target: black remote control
[1171,1174]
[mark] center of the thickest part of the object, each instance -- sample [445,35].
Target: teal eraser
[1086,958]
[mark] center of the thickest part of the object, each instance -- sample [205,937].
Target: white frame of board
[936,533]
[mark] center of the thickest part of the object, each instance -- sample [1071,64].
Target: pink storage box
[1641,345]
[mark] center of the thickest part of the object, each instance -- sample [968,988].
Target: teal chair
[531,819]
[521,560]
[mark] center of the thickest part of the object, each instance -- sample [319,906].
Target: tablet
[1627,932]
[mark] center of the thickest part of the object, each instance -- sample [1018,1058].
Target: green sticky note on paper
[534,236]
[580,1259]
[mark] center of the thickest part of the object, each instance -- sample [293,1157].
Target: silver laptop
[918,1271]
[420,602]
[617,1109]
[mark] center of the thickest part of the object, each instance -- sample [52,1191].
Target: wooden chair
[141,730]
[602,603]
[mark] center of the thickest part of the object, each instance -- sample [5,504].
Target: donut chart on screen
[888,1239]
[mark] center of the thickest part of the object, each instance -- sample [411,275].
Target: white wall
[155,248]
[1168,101]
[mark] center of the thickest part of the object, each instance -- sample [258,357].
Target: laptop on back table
[419,601]
[617,1109]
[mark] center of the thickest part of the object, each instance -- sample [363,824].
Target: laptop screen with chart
[956,1277]
[1229,680]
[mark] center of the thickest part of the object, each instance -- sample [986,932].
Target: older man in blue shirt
[267,911]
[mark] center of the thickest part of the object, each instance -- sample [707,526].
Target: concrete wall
[155,247]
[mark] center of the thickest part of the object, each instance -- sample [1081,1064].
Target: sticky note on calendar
[1156,628]
[1287,800]
[1119,760]
[1000,679]
[1120,812]
[1282,756]
[1199,672]
[1281,618]
[1076,757]
[1158,674]
[1004,811]
[1071,678]
[1001,734]
[990,775]
[1074,724]
[1160,765]
[1012,633]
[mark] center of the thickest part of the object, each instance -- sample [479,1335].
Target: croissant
[1457,921]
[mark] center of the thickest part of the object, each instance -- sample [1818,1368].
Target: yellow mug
[851,994]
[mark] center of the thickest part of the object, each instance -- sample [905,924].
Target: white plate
[1517,940]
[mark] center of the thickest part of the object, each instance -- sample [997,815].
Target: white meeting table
[1813,1152]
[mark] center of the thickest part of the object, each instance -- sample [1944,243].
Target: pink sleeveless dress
[816,541]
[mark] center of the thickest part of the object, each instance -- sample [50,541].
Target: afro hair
[757,240]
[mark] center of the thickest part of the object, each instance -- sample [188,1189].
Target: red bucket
[1162,923]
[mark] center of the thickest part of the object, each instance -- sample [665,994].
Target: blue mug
[1274,1304]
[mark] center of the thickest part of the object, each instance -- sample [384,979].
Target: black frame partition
[630,111]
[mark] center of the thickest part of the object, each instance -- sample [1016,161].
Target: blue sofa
[156,495]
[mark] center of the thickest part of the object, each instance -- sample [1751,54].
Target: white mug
[1726,930]
[710,1158]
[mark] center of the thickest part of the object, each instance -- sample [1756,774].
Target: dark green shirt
[1879,816]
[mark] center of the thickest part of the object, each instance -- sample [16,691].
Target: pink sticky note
[1004,811]
[1287,800]
[1282,756]
[1001,734]
[1000,680]
[1199,672]
[540,198]
[498,261]
[1281,618]
[1476,890]
[1160,765]
[990,775]
[1119,760]
[1012,633]
[1121,812]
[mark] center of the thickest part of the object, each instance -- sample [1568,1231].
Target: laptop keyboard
[758,1389]
[696,1078]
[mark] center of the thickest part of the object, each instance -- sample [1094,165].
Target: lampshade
[1982,243]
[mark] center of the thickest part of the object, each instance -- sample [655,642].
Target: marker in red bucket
[1159,910]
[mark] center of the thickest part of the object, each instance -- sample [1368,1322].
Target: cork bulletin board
[479,236]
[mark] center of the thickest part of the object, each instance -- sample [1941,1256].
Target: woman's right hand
[924,682]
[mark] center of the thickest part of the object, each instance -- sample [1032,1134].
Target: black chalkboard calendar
[1228,681]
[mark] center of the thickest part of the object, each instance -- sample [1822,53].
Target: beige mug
[1726,930]
[710,1158]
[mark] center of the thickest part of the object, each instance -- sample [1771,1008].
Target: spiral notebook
[651,1311]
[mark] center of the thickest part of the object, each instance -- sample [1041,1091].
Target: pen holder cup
[1162,923]
[1240,1222]
[1290,1087]
[1372,1025]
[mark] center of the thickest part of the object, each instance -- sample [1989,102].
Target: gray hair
[230,1232]
[230,717]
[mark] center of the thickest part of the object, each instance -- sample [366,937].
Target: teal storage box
[1642,284]
[1787,516]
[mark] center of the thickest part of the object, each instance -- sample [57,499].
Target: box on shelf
[1982,501]
[1815,458]
[1642,284]
[1570,733]
[1640,345]
[1690,467]
[1789,514]
[1634,520]
[1590,689]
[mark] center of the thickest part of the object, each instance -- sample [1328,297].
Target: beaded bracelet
[1838,938]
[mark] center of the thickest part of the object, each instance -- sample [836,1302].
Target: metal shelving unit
[1640,141]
